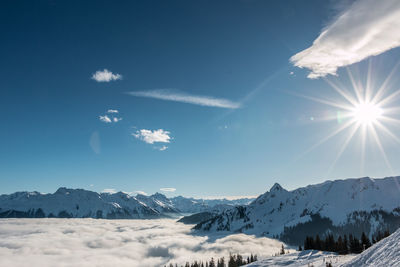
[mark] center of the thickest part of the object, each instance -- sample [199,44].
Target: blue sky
[238,123]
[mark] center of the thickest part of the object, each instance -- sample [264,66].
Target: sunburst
[363,110]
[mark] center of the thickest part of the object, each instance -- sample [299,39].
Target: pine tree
[345,245]
[318,243]
[212,263]
[282,250]
[365,243]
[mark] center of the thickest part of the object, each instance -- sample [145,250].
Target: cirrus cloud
[367,28]
[168,189]
[173,95]
[106,76]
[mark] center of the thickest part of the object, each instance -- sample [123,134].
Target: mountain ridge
[336,206]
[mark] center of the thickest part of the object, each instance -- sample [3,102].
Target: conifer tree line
[234,261]
[343,245]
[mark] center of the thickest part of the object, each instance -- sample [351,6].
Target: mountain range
[338,207]
[80,203]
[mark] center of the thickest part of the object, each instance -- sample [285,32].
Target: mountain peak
[159,196]
[276,187]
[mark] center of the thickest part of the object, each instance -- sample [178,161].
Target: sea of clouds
[91,242]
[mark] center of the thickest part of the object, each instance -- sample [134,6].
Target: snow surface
[95,242]
[304,258]
[277,208]
[384,253]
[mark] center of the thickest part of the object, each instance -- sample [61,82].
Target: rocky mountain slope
[340,206]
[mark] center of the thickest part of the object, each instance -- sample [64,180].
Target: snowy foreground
[385,253]
[91,242]
[304,258]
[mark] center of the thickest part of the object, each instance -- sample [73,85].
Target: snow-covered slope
[305,258]
[79,203]
[384,253]
[369,204]
[192,205]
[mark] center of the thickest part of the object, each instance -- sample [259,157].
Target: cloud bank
[367,28]
[106,76]
[151,137]
[168,189]
[134,243]
[169,95]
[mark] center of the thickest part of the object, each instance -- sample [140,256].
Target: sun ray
[322,101]
[384,86]
[387,131]
[363,134]
[379,144]
[389,98]
[337,131]
[389,119]
[368,85]
[341,92]
[344,146]
[355,86]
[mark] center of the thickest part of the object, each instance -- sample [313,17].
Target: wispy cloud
[112,111]
[172,95]
[366,28]
[168,189]
[151,137]
[106,76]
[109,191]
[141,193]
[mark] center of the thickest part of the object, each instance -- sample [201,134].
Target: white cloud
[168,189]
[367,28]
[92,242]
[109,190]
[169,95]
[105,119]
[106,76]
[110,118]
[162,148]
[151,137]
[141,193]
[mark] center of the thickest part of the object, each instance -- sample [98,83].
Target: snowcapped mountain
[79,203]
[341,206]
[192,205]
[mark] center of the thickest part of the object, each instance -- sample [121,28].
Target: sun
[366,113]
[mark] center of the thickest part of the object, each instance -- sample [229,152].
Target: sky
[196,98]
